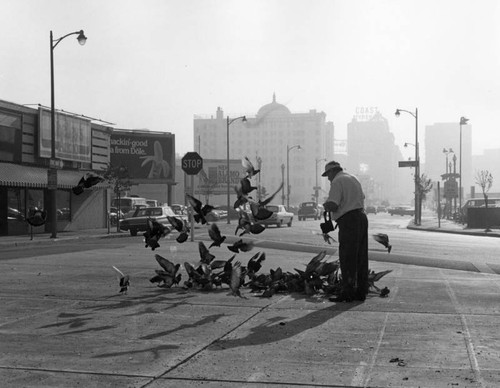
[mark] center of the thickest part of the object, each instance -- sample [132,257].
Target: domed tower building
[286,145]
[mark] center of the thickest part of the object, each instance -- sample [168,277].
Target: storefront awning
[16,175]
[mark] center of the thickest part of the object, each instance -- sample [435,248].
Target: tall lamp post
[288,149]
[418,204]
[448,181]
[463,121]
[228,179]
[53,161]
[316,188]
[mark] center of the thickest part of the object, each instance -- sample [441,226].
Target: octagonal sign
[192,163]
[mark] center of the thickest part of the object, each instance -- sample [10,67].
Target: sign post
[192,164]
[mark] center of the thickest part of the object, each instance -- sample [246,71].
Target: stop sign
[192,163]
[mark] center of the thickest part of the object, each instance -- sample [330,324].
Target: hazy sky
[155,63]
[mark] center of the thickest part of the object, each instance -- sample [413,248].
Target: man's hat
[331,166]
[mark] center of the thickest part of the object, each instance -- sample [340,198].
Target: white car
[279,217]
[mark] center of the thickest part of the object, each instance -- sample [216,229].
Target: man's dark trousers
[353,253]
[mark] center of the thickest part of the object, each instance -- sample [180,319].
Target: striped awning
[16,175]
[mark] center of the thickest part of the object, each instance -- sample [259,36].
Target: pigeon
[201,211]
[154,232]
[215,235]
[383,239]
[249,169]
[375,277]
[205,256]
[255,263]
[181,226]
[241,246]
[124,280]
[88,180]
[246,186]
[247,226]
[235,281]
[168,276]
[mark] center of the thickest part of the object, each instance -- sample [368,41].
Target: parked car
[308,210]
[371,209]
[279,217]
[381,209]
[138,222]
[401,211]
[233,213]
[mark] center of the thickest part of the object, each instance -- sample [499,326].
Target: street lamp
[463,121]
[288,149]
[447,152]
[418,205]
[52,169]
[316,188]
[229,122]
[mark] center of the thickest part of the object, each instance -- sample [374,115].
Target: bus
[126,204]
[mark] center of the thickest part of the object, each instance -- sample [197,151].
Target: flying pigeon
[154,232]
[241,246]
[168,276]
[181,226]
[375,277]
[88,180]
[255,263]
[235,282]
[205,256]
[249,169]
[200,209]
[124,280]
[383,239]
[215,235]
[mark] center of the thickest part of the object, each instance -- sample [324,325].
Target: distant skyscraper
[266,136]
[374,157]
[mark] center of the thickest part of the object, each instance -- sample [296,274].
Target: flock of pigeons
[210,273]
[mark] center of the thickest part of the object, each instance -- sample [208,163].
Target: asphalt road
[441,250]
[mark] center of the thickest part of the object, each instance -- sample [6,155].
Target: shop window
[63,205]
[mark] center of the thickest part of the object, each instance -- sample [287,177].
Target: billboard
[212,179]
[73,136]
[148,156]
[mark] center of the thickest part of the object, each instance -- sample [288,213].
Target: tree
[424,186]
[485,180]
[119,178]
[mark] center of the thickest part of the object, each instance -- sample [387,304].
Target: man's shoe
[341,298]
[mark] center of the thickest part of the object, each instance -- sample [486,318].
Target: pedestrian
[346,206]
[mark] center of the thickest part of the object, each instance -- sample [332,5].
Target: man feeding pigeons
[346,206]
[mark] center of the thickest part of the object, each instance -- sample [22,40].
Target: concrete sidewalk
[63,324]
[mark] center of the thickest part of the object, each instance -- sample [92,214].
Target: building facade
[271,140]
[81,145]
[373,156]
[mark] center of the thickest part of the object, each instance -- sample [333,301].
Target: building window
[10,137]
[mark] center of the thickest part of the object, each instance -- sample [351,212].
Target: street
[441,250]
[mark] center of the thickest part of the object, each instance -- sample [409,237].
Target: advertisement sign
[73,136]
[212,179]
[148,156]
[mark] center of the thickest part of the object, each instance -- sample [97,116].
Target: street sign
[56,163]
[408,163]
[192,163]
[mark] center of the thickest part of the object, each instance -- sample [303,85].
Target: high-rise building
[373,156]
[443,136]
[269,136]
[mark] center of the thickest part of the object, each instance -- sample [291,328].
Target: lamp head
[397,113]
[463,121]
[244,119]
[406,145]
[82,39]
[299,147]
